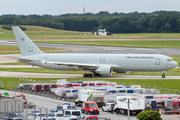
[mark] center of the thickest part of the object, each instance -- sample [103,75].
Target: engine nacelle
[104,71]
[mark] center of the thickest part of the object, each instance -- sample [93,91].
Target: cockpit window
[170,60]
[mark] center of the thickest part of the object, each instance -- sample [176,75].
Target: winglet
[26,46]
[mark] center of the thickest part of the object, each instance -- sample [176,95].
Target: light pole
[128,99]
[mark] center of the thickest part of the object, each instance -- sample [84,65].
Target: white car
[56,114]
[68,118]
[76,113]
[36,114]
[65,106]
[107,107]
[14,118]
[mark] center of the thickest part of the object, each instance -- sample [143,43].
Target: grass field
[150,34]
[15,63]
[127,43]
[37,32]
[10,83]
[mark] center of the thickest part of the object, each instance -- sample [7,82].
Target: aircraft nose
[175,64]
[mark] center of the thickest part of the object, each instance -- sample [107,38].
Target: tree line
[155,22]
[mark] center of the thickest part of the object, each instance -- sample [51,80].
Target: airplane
[98,64]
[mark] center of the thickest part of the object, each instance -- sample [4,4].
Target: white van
[107,107]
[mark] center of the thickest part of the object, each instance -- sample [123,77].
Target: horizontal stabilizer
[25,59]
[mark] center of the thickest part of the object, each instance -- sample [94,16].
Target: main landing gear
[90,75]
[87,75]
[164,73]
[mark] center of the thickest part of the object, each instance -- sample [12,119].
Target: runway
[102,49]
[48,75]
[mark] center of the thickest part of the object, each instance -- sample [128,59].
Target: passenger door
[157,61]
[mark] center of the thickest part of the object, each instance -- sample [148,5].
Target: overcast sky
[57,7]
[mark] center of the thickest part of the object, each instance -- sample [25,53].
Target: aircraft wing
[81,65]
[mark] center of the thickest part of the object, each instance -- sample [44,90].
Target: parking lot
[50,104]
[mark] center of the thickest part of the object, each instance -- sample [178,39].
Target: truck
[90,108]
[23,97]
[90,95]
[171,112]
[136,105]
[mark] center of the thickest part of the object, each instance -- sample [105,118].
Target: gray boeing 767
[98,64]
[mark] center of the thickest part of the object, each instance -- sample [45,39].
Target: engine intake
[104,71]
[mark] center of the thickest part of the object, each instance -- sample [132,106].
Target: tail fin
[26,46]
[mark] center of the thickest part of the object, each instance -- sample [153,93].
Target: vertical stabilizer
[26,46]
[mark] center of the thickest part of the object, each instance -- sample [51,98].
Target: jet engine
[104,71]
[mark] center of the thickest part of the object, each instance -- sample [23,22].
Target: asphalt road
[102,49]
[49,75]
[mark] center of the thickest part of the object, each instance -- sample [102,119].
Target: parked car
[107,107]
[90,108]
[65,106]
[73,113]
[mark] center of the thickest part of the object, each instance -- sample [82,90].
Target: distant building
[102,32]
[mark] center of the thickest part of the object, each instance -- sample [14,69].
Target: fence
[10,106]
[21,111]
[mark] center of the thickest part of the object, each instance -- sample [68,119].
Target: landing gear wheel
[85,75]
[89,75]
[163,76]
[95,74]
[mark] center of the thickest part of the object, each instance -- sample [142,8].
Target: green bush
[9,27]
[149,115]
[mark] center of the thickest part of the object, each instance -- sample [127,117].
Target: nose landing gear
[164,73]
